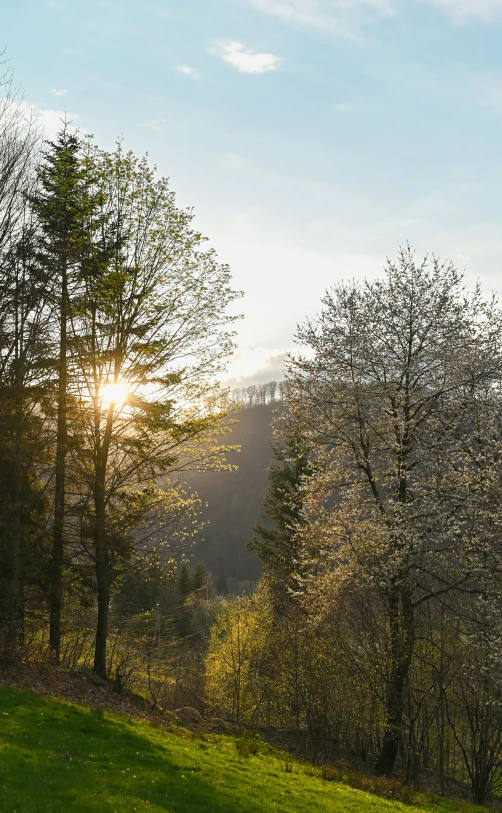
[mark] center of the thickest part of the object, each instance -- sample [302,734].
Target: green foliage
[237,654]
[247,746]
[200,580]
[276,543]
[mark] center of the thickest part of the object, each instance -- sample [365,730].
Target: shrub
[378,785]
[247,747]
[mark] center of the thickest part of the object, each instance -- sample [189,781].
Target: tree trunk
[102,570]
[56,569]
[102,625]
[12,636]
[401,649]
[12,632]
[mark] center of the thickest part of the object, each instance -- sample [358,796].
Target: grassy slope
[56,756]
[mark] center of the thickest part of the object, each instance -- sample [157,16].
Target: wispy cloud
[342,106]
[58,92]
[186,70]
[242,58]
[153,124]
[339,16]
[465,9]
[345,17]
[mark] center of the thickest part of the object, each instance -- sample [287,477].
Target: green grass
[62,758]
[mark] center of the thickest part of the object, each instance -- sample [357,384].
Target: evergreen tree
[24,326]
[64,207]
[222,586]
[184,582]
[275,543]
[143,586]
[199,580]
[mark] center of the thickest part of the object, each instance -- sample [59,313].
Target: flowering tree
[399,398]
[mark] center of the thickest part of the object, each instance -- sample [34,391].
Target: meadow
[57,757]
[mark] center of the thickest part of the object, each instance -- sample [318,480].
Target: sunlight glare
[115,392]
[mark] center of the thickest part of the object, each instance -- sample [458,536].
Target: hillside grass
[58,757]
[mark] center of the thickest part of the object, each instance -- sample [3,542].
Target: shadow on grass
[57,757]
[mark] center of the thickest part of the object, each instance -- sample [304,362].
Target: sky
[311,137]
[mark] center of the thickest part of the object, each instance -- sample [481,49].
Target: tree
[19,143]
[222,586]
[200,581]
[403,373]
[150,332]
[277,542]
[24,320]
[237,654]
[64,208]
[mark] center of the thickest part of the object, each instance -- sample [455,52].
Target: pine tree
[275,543]
[63,206]
[184,582]
[222,586]
[199,580]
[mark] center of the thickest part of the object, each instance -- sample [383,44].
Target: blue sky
[312,137]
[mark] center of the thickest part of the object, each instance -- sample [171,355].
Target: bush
[378,785]
[247,747]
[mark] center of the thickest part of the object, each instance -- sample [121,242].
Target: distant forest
[272,392]
[232,500]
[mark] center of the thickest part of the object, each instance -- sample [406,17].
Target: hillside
[234,498]
[58,757]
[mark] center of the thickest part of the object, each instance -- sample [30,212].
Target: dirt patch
[83,687]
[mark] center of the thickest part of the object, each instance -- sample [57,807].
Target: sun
[115,392]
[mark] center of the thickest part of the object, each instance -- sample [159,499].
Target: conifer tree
[24,433]
[63,207]
[183,582]
[276,541]
[199,580]
[221,585]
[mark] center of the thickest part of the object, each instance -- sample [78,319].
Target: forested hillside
[232,500]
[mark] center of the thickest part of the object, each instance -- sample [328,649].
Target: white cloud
[236,54]
[58,92]
[342,106]
[153,124]
[186,70]
[339,16]
[255,365]
[50,121]
[463,9]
